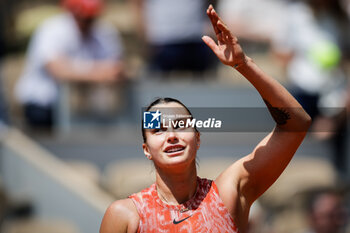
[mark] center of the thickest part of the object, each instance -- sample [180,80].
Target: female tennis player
[179,201]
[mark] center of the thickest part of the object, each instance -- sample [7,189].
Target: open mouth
[174,149]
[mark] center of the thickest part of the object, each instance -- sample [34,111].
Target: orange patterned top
[205,212]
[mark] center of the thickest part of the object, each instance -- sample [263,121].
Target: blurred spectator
[315,39]
[311,39]
[327,213]
[263,22]
[72,46]
[173,31]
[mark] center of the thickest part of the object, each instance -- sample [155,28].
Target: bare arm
[120,217]
[64,69]
[244,181]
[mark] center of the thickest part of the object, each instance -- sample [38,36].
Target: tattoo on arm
[280,115]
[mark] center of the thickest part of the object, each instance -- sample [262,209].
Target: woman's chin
[178,159]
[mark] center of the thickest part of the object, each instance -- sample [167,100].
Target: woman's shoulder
[120,216]
[123,206]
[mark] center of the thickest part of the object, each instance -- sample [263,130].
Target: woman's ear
[146,151]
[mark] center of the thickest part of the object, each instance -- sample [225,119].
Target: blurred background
[75,74]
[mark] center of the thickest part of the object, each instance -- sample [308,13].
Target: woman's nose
[172,137]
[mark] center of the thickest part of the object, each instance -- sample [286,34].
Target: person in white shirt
[71,46]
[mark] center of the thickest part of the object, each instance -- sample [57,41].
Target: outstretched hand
[227,49]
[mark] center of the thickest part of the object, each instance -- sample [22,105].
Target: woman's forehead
[171,110]
[169,104]
[172,106]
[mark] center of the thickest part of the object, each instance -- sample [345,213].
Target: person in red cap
[84,12]
[72,46]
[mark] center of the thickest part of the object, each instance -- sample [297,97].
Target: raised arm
[244,181]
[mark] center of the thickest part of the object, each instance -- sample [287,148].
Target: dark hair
[163,100]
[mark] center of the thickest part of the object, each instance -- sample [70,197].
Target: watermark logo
[151,120]
[189,122]
[236,119]
[165,120]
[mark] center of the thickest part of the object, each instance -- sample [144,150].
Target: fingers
[223,34]
[213,18]
[223,27]
[227,35]
[210,42]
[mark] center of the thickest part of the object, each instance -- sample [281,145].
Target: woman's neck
[177,188]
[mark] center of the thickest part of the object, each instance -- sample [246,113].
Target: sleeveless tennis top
[205,212]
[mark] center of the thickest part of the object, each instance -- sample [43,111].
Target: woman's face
[171,145]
